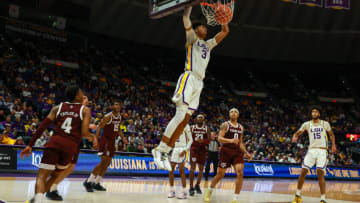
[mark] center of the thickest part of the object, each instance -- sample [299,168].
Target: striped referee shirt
[213,146]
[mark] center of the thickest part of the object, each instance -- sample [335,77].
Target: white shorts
[175,156]
[188,90]
[315,156]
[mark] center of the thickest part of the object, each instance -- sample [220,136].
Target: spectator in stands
[5,139]
[7,121]
[18,127]
[139,140]
[9,131]
[2,115]
[149,145]
[140,149]
[131,147]
[131,127]
[19,141]
[40,142]
[120,147]
[131,137]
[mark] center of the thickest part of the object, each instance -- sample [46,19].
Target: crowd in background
[29,88]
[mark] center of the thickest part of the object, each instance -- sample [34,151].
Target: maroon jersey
[67,131]
[199,134]
[231,133]
[111,129]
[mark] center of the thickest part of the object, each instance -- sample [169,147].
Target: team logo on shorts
[76,115]
[223,164]
[194,159]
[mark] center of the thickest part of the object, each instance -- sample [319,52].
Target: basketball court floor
[155,190]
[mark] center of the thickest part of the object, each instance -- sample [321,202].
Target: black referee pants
[212,157]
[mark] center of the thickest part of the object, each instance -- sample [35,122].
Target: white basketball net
[210,9]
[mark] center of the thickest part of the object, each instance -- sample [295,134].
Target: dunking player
[111,125]
[231,135]
[317,152]
[201,134]
[178,157]
[189,86]
[59,175]
[71,124]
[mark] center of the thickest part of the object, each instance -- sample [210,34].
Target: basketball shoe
[297,199]
[207,196]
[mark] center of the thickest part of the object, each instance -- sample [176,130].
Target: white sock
[91,178]
[184,189]
[98,179]
[39,198]
[236,197]
[172,188]
[323,197]
[298,192]
[163,147]
[211,189]
[53,187]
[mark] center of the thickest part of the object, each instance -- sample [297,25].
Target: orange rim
[214,5]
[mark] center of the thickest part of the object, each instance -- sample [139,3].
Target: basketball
[223,14]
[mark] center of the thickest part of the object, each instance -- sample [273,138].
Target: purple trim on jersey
[183,93]
[178,85]
[179,162]
[306,166]
[191,62]
[192,109]
[303,163]
[324,165]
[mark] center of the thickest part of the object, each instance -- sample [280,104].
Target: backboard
[162,8]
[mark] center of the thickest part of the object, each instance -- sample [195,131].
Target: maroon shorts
[76,157]
[230,157]
[198,155]
[106,147]
[55,159]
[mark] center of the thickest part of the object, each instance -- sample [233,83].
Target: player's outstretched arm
[221,35]
[332,138]
[190,34]
[186,18]
[189,137]
[222,139]
[297,135]
[85,124]
[121,134]
[102,124]
[208,133]
[39,131]
[242,146]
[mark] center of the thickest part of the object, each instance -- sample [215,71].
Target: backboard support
[161,8]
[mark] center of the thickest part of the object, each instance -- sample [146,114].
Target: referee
[213,151]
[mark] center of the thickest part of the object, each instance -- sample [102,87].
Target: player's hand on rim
[27,152]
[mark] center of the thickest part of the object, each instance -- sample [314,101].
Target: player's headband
[200,116]
[234,109]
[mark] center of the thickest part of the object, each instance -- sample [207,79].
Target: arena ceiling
[261,29]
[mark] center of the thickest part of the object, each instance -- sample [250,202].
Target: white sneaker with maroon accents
[182,195]
[171,194]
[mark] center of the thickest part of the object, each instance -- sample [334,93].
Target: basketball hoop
[218,12]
